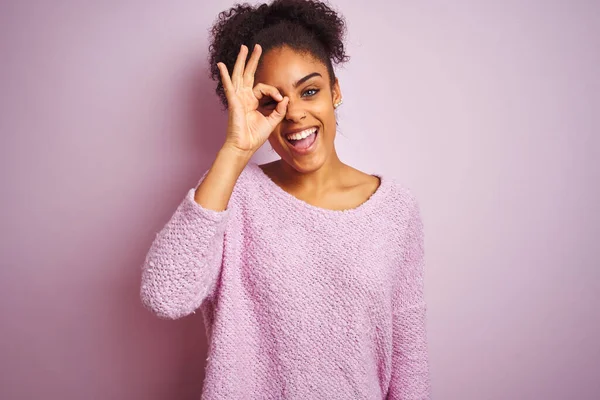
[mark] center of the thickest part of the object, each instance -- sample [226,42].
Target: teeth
[301,135]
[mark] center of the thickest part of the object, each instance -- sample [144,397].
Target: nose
[295,112]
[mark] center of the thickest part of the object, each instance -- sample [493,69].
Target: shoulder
[399,196]
[404,196]
[402,209]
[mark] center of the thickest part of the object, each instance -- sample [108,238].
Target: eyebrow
[302,80]
[307,77]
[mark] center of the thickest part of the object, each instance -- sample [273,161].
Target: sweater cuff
[191,209]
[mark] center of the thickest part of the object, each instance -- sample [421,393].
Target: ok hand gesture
[248,128]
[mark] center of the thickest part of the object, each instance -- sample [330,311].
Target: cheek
[275,139]
[327,118]
[325,109]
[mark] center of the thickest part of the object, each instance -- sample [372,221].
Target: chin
[303,165]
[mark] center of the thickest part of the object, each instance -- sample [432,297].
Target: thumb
[279,112]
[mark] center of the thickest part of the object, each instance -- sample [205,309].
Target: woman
[308,272]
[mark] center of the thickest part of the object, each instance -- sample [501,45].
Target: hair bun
[317,18]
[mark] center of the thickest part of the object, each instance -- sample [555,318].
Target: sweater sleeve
[410,364]
[183,263]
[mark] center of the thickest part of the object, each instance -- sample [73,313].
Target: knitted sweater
[299,302]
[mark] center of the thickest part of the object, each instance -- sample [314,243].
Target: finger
[261,90]
[279,112]
[225,79]
[251,66]
[238,68]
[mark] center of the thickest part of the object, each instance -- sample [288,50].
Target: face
[306,82]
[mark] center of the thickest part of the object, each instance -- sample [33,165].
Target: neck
[316,181]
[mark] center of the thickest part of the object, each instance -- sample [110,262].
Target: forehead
[283,66]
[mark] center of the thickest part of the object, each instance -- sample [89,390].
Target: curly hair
[303,25]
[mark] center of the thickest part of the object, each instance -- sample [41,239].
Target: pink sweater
[299,302]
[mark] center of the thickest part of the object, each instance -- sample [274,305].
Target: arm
[410,365]
[184,261]
[183,264]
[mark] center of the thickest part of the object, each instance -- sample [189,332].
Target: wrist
[235,155]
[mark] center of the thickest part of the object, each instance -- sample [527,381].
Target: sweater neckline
[364,206]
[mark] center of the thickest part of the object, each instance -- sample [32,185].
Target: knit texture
[299,302]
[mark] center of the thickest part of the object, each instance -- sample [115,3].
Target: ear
[336,93]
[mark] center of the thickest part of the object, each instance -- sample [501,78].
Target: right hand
[248,128]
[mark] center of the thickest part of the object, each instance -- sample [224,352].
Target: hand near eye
[248,128]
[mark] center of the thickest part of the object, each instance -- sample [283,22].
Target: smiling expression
[305,80]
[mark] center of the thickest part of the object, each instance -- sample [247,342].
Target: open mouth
[303,140]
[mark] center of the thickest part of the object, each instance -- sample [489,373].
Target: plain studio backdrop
[488,110]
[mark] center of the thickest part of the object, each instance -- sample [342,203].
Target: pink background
[488,110]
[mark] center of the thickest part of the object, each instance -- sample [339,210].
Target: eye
[310,92]
[269,103]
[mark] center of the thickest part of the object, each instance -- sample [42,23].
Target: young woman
[308,272]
